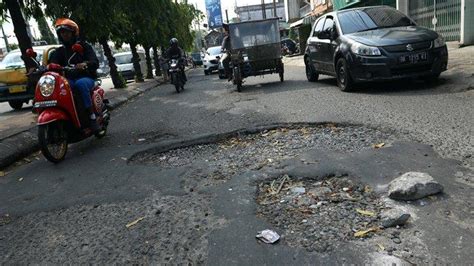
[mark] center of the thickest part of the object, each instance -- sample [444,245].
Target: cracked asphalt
[77,211]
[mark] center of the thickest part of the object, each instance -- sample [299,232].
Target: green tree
[149,23]
[95,18]
[19,24]
[46,33]
[12,46]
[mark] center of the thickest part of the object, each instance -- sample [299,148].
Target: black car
[197,58]
[290,44]
[373,44]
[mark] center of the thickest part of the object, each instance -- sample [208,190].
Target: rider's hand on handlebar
[31,70]
[81,66]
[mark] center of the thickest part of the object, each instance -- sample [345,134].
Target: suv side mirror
[324,35]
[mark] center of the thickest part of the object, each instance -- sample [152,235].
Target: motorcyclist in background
[175,52]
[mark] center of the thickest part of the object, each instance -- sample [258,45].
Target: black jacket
[225,47]
[174,53]
[62,54]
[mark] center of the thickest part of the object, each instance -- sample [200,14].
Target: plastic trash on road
[268,236]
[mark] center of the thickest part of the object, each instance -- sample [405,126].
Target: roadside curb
[24,143]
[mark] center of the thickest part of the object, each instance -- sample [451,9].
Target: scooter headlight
[46,85]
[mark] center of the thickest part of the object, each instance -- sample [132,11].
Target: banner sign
[214,13]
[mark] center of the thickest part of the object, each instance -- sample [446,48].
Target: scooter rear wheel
[53,141]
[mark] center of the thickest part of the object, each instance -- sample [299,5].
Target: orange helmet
[67,24]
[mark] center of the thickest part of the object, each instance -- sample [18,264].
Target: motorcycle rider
[175,52]
[86,64]
[225,48]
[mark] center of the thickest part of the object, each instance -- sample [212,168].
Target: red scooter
[62,117]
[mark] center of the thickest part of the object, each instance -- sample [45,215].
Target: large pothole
[268,148]
[324,202]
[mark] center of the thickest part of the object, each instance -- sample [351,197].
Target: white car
[125,64]
[211,60]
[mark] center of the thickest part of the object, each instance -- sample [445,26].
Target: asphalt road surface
[77,211]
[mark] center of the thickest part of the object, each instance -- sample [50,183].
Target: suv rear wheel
[344,81]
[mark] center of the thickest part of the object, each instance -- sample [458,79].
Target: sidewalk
[18,134]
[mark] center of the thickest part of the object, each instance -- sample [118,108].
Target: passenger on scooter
[175,52]
[86,64]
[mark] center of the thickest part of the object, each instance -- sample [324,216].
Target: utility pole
[264,13]
[274,9]
[248,13]
[227,16]
[5,38]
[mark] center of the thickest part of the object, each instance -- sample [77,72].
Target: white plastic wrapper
[268,236]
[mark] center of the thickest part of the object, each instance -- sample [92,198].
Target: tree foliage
[46,33]
[148,23]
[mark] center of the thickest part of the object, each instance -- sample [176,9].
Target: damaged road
[198,181]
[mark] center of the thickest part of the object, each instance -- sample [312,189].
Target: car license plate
[17,89]
[413,58]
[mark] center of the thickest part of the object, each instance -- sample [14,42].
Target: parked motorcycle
[62,117]
[285,50]
[177,75]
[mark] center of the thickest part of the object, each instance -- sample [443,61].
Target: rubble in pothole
[319,216]
[268,148]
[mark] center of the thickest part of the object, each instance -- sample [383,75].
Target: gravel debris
[268,148]
[330,216]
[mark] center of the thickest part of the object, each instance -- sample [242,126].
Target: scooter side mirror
[77,48]
[31,53]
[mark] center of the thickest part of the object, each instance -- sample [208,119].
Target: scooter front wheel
[53,141]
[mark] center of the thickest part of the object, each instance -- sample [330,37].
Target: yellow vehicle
[14,87]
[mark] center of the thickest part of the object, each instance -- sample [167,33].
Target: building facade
[343,4]
[321,7]
[255,12]
[213,38]
[454,19]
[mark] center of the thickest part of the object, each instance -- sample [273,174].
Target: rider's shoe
[94,125]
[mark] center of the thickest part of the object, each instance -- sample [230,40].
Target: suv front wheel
[344,81]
